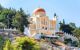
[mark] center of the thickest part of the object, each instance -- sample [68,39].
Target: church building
[41,24]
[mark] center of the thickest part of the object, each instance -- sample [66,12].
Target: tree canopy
[13,18]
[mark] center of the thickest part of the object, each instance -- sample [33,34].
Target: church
[41,24]
[41,27]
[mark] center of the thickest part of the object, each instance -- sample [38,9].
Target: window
[46,28]
[42,27]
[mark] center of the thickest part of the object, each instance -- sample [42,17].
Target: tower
[57,26]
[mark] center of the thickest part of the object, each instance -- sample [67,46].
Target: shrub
[25,43]
[21,43]
[1,42]
[7,45]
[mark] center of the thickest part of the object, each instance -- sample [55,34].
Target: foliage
[72,25]
[68,28]
[6,17]
[7,45]
[20,20]
[77,32]
[1,42]
[2,25]
[12,18]
[21,43]
[75,44]
[25,43]
[66,41]
[72,43]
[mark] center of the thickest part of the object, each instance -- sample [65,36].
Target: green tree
[68,28]
[1,7]
[6,17]
[72,25]
[2,25]
[76,33]
[66,41]
[20,20]
[75,44]
[13,18]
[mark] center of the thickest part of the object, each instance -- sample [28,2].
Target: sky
[69,10]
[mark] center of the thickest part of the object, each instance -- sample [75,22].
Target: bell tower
[56,29]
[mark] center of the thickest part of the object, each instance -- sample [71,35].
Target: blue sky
[65,9]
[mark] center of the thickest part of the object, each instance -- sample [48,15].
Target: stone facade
[40,23]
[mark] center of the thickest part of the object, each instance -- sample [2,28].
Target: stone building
[41,24]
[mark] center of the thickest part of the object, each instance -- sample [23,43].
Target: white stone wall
[67,35]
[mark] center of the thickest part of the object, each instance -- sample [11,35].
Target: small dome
[38,10]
